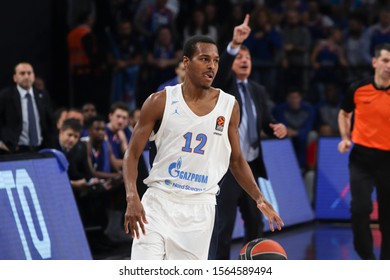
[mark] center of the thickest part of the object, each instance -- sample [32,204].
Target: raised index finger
[246,20]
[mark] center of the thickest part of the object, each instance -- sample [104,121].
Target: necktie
[32,122]
[251,119]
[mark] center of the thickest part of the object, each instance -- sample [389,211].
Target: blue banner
[285,189]
[333,196]
[38,214]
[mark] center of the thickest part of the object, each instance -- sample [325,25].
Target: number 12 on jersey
[201,138]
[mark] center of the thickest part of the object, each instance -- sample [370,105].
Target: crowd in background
[304,52]
[313,48]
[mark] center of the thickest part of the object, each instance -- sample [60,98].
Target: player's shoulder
[158,96]
[155,103]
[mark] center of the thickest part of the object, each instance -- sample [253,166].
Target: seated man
[298,116]
[106,166]
[89,193]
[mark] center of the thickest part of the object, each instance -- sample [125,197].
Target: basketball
[263,249]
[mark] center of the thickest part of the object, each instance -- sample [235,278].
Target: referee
[369,162]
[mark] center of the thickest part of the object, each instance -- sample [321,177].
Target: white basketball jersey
[193,152]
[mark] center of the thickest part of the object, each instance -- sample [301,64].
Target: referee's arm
[344,120]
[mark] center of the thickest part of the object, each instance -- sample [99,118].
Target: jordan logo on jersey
[220,123]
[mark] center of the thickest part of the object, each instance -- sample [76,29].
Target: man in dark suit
[233,77]
[26,119]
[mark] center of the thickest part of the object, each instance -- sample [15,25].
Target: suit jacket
[226,81]
[11,119]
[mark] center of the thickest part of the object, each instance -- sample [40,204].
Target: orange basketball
[263,249]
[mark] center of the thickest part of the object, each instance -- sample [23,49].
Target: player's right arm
[151,113]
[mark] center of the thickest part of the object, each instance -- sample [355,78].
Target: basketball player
[195,130]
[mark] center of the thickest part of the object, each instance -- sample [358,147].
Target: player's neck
[382,83]
[191,92]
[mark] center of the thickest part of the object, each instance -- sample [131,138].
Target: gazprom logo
[175,172]
[174,168]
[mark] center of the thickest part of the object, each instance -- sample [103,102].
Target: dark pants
[368,168]
[230,197]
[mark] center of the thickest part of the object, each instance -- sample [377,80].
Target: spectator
[380,32]
[265,45]
[296,45]
[89,193]
[134,116]
[299,117]
[118,120]
[357,48]
[103,163]
[199,25]
[89,110]
[226,30]
[83,60]
[163,56]
[105,166]
[318,23]
[328,60]
[26,116]
[125,57]
[151,17]
[328,111]
[178,79]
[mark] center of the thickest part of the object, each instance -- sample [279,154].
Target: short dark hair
[190,45]
[118,105]
[73,124]
[378,48]
[292,89]
[98,118]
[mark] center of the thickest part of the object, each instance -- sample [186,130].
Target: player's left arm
[243,174]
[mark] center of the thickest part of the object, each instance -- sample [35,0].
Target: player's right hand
[135,217]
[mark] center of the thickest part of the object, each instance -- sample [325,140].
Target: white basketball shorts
[176,229]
